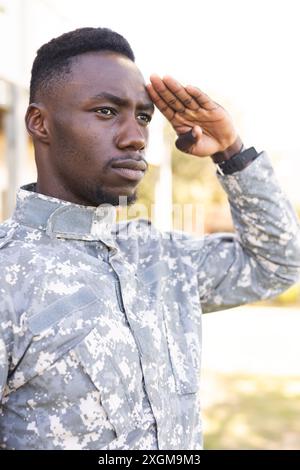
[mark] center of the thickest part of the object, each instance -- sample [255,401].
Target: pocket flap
[60,309]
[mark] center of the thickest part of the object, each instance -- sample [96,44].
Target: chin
[106,197]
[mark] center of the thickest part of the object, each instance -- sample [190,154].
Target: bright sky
[244,53]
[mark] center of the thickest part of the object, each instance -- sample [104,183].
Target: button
[2,233]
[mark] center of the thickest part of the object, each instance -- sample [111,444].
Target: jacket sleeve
[262,258]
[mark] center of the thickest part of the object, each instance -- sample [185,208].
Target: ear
[37,123]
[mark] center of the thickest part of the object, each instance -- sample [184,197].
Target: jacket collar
[63,219]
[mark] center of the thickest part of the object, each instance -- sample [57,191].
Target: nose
[131,135]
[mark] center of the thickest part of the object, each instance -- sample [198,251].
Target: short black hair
[53,60]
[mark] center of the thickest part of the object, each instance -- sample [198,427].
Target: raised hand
[203,126]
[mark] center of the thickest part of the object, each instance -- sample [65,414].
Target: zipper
[119,296]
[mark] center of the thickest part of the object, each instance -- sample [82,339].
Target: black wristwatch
[238,162]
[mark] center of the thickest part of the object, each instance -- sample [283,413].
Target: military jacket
[100,323]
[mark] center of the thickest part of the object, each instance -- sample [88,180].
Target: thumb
[185,141]
[197,132]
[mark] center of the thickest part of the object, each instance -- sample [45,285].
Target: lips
[130,169]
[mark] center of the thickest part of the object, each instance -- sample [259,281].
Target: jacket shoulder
[7,230]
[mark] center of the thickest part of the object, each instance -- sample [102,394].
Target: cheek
[72,132]
[95,137]
[84,142]
[66,139]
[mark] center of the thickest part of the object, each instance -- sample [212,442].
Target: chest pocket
[74,323]
[52,332]
[182,331]
[100,365]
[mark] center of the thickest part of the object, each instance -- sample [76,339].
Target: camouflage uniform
[100,329]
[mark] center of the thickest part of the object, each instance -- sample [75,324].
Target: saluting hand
[203,126]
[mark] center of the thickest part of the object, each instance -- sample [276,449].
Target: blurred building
[20,34]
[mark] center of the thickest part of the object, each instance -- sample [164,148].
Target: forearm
[264,219]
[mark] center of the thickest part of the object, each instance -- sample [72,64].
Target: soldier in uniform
[100,323]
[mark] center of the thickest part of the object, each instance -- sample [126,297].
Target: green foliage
[289,297]
[254,412]
[192,176]
[146,191]
[195,182]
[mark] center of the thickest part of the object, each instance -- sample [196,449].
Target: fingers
[160,103]
[169,93]
[177,91]
[201,98]
[166,95]
[184,119]
[173,94]
[180,123]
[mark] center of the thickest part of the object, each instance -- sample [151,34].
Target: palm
[188,108]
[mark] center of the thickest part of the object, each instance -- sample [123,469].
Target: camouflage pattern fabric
[100,326]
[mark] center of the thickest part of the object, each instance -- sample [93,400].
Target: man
[101,325]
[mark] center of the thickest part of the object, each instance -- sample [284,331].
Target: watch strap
[238,162]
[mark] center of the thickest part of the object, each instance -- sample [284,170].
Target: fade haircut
[53,60]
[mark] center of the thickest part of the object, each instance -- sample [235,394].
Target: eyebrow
[147,106]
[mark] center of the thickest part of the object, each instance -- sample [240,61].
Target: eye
[145,118]
[105,111]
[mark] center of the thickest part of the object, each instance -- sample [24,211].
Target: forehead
[96,72]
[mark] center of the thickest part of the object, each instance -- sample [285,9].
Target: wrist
[237,162]
[229,152]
